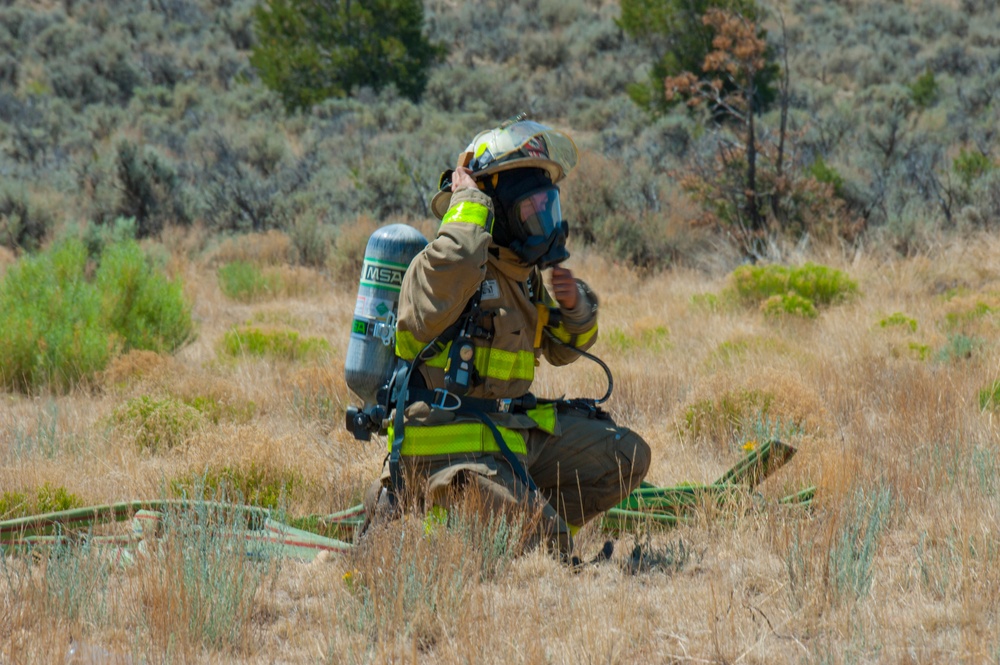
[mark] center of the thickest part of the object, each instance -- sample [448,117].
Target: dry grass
[898,562]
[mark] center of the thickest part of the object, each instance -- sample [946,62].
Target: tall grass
[184,595]
[852,557]
[894,561]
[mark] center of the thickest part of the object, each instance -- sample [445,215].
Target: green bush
[53,331]
[253,485]
[899,319]
[216,411]
[246,282]
[789,303]
[281,344]
[60,328]
[798,290]
[826,174]
[958,347]
[708,302]
[157,424]
[924,90]
[970,165]
[148,188]
[956,320]
[727,417]
[654,339]
[143,308]
[308,51]
[46,499]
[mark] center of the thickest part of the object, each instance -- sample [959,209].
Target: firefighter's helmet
[513,145]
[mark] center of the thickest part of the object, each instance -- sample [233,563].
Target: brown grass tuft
[136,365]
[272,248]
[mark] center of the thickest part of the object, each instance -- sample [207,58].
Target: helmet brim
[442,199]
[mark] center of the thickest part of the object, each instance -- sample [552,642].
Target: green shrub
[253,485]
[955,320]
[157,424]
[146,310]
[98,237]
[825,173]
[308,51]
[281,344]
[897,319]
[799,290]
[958,347]
[729,416]
[924,90]
[216,411]
[148,189]
[52,332]
[789,303]
[246,282]
[989,397]
[59,328]
[46,499]
[311,240]
[970,165]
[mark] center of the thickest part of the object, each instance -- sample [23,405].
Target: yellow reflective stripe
[491,363]
[545,417]
[408,346]
[457,439]
[468,212]
[506,365]
[566,337]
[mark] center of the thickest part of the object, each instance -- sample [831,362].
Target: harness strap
[396,480]
[512,460]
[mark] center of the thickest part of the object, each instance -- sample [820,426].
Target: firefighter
[474,320]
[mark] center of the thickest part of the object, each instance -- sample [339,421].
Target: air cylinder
[371,355]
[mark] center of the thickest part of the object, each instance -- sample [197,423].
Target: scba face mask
[542,238]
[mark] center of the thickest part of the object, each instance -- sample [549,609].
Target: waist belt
[442,399]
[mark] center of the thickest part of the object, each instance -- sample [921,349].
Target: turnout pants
[589,467]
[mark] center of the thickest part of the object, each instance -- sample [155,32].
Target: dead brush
[409,586]
[194,588]
[272,248]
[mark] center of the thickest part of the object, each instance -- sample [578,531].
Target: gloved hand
[564,288]
[462,178]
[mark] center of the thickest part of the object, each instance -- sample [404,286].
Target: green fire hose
[647,506]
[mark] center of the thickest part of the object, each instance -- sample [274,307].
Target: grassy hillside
[152,111]
[890,393]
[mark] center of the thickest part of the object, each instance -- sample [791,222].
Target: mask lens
[539,212]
